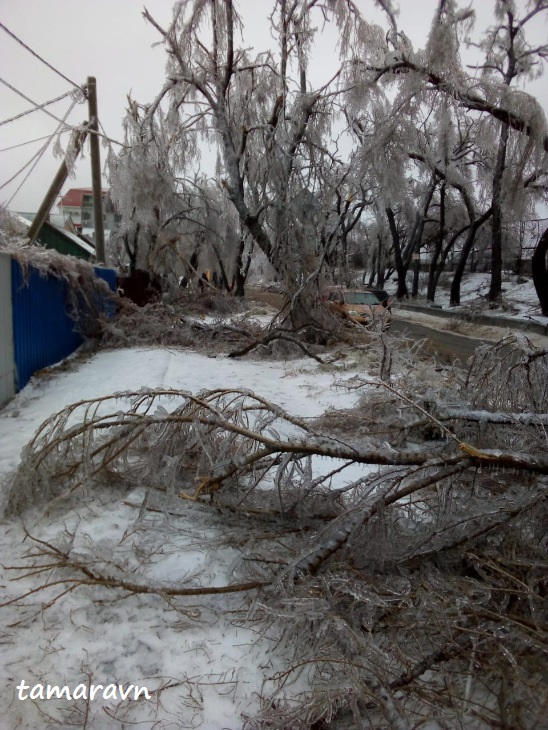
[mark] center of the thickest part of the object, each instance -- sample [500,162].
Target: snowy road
[448,344]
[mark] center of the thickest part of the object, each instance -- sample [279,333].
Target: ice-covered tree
[396,140]
[144,191]
[273,127]
[496,175]
[509,57]
[174,226]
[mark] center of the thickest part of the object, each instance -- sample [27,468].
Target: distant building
[78,204]
[59,237]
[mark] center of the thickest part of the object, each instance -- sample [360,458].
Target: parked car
[363,306]
[384,296]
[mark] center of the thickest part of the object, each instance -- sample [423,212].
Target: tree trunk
[495,289]
[540,272]
[440,265]
[432,279]
[373,272]
[240,275]
[401,269]
[381,273]
[222,270]
[415,240]
[132,250]
[454,299]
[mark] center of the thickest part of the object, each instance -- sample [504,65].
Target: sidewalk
[465,314]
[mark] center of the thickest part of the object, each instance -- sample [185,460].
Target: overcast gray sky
[109,39]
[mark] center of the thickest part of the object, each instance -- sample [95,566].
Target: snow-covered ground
[519,297]
[216,665]
[298,386]
[205,665]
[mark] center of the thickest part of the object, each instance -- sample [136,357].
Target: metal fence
[41,331]
[7,363]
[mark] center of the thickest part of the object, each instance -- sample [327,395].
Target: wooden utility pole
[75,145]
[96,170]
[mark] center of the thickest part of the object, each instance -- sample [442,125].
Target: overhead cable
[105,136]
[62,75]
[26,98]
[37,156]
[36,108]
[32,141]
[40,106]
[22,169]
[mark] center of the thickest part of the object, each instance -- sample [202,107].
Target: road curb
[481,319]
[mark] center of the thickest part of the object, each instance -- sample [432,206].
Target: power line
[32,141]
[62,75]
[36,108]
[104,135]
[22,169]
[37,156]
[24,180]
[26,98]
[68,128]
[40,106]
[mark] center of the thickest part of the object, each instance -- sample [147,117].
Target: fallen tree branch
[273,337]
[483,416]
[95,578]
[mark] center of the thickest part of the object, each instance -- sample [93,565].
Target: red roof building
[78,203]
[74,198]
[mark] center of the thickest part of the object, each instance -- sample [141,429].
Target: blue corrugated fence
[43,331]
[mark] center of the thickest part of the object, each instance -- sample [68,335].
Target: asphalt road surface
[448,345]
